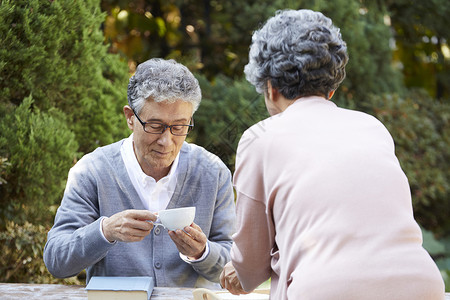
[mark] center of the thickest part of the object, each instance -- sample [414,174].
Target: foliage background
[64,67]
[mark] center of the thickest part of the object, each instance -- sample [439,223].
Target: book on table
[118,288]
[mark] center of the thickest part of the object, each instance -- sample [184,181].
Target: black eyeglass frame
[164,126]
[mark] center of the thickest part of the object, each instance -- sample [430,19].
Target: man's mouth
[161,153]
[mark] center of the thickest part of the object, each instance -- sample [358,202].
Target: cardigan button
[158,265]
[157,231]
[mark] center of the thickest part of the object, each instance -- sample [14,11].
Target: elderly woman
[323,206]
[112,192]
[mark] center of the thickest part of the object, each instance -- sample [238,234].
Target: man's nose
[165,139]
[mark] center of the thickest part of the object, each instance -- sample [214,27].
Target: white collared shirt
[154,195]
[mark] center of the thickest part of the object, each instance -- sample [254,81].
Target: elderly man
[112,193]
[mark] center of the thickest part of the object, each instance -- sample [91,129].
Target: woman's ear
[272,92]
[330,94]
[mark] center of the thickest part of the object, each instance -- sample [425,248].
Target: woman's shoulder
[258,131]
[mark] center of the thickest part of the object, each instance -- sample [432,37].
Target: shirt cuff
[101,231]
[205,254]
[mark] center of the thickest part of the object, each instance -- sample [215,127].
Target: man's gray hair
[300,52]
[163,80]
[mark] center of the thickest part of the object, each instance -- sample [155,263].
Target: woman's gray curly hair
[300,52]
[163,80]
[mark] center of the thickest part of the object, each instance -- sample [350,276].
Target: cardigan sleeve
[75,241]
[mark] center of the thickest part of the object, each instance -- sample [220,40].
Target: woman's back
[341,207]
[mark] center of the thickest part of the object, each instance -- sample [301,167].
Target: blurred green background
[64,69]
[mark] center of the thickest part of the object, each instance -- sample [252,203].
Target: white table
[76,292]
[12,291]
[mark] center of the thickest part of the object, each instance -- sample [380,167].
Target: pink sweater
[324,209]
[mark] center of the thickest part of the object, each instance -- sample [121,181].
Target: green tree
[421,133]
[209,36]
[421,39]
[54,50]
[40,149]
[228,108]
[213,37]
[61,95]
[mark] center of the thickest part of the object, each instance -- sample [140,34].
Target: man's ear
[129,116]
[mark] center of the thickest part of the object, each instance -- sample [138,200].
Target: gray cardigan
[98,185]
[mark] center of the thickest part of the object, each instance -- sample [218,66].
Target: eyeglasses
[160,128]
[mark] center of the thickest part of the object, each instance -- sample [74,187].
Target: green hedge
[39,149]
[21,252]
[228,108]
[54,51]
[421,131]
[36,151]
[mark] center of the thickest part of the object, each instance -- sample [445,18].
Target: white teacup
[177,218]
